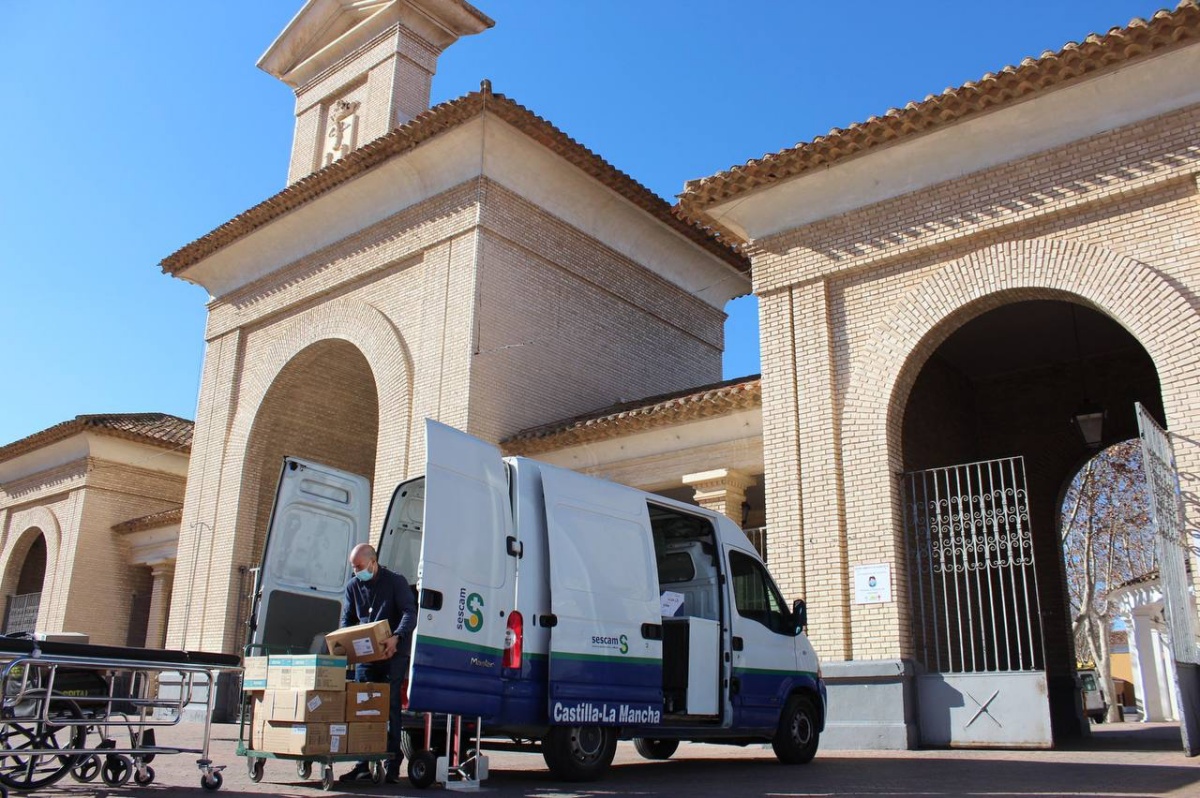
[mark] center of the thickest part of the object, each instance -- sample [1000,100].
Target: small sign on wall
[873,583]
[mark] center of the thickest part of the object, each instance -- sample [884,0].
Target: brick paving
[1120,760]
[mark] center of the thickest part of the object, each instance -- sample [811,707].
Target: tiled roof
[156,429]
[656,411]
[152,521]
[429,124]
[1139,39]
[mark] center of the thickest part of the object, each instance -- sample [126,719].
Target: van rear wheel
[797,737]
[579,753]
[651,748]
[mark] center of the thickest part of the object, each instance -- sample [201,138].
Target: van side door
[320,514]
[465,576]
[606,638]
[764,643]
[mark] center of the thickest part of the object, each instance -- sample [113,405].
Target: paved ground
[1120,760]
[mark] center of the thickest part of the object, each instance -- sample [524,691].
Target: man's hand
[389,647]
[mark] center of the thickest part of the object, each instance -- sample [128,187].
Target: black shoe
[393,773]
[361,772]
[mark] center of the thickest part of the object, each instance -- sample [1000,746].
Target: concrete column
[722,489]
[163,574]
[1144,662]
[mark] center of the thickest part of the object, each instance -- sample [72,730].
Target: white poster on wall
[873,583]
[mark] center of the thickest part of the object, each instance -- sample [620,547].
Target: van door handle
[431,599]
[652,631]
[515,547]
[549,620]
[738,644]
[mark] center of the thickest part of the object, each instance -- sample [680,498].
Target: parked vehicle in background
[1094,705]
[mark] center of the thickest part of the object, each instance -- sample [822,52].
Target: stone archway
[39,535]
[24,581]
[1130,293]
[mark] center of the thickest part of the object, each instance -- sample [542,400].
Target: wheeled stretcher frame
[65,704]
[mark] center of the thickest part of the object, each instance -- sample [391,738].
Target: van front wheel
[797,737]
[579,753]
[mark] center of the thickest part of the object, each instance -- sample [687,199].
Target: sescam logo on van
[470,611]
[587,712]
[616,643]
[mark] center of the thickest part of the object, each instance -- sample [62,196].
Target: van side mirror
[800,615]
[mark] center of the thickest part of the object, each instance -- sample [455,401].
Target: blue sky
[134,127]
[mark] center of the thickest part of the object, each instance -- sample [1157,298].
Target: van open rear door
[606,642]
[466,576]
[320,514]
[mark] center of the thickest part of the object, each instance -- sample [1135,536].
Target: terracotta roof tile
[156,429]
[429,124]
[152,521]
[655,411]
[1139,39]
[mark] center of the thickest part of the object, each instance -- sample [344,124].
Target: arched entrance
[998,395]
[24,596]
[324,407]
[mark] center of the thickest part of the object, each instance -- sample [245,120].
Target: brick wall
[475,308]
[853,307]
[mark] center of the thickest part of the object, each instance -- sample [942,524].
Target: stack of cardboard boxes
[303,705]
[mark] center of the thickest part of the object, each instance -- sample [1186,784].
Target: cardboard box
[307,672]
[305,706]
[367,701]
[368,738]
[296,738]
[254,673]
[256,719]
[362,643]
[339,742]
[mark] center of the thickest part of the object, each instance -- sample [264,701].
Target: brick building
[90,508]
[942,288]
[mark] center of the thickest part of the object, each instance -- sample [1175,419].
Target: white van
[563,609]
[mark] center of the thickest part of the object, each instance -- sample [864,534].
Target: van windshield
[399,548]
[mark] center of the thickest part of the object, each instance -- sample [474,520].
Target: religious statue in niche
[341,132]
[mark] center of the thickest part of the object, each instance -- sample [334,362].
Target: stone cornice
[659,411]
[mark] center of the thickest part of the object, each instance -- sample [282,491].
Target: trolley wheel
[303,768]
[422,769]
[255,768]
[377,772]
[212,781]
[327,778]
[87,770]
[23,730]
[145,780]
[116,770]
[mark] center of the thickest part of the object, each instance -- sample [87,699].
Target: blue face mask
[363,576]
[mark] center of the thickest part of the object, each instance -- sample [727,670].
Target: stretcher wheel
[86,770]
[327,778]
[304,768]
[377,773]
[422,769]
[143,780]
[212,781]
[116,770]
[255,768]
[24,730]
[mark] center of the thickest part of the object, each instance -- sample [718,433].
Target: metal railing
[758,536]
[22,613]
[973,581]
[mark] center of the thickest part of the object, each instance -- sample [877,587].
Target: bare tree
[1107,540]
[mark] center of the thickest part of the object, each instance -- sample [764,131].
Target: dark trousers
[393,672]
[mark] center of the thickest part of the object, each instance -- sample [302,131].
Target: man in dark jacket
[377,594]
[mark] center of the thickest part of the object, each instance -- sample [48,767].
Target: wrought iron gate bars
[971,554]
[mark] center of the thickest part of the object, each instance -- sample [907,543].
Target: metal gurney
[92,710]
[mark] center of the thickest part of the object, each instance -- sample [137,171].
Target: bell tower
[360,68]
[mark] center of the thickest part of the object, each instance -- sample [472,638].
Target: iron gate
[1171,547]
[974,597]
